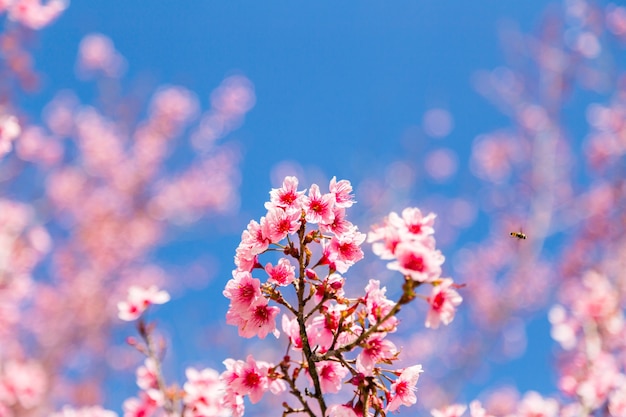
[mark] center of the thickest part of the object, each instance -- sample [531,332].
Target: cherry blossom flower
[376,350]
[203,393]
[287,197]
[417,260]
[345,250]
[318,207]
[139,299]
[404,388]
[147,374]
[24,382]
[279,223]
[281,274]
[341,190]
[34,14]
[443,301]
[251,379]
[331,374]
[243,291]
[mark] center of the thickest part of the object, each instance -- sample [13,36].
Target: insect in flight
[518,235]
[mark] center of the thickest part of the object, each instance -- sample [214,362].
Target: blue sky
[338,84]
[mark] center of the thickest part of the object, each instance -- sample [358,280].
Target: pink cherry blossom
[281,274]
[345,250]
[251,379]
[443,301]
[139,299]
[260,321]
[35,14]
[378,306]
[147,374]
[318,207]
[331,375]
[417,260]
[278,224]
[375,350]
[203,393]
[287,197]
[243,291]
[25,383]
[341,190]
[404,388]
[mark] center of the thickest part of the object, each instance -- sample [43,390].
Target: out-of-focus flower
[139,299]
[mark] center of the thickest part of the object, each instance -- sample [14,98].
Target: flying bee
[518,235]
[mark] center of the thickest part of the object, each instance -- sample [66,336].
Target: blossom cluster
[336,338]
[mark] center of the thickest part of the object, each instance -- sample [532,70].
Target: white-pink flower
[281,274]
[443,301]
[341,190]
[287,197]
[404,388]
[318,207]
[418,260]
[331,375]
[139,299]
[376,350]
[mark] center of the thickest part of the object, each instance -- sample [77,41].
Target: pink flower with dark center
[287,197]
[279,223]
[260,321]
[378,305]
[341,190]
[203,393]
[147,374]
[253,238]
[330,374]
[318,207]
[375,350]
[252,379]
[281,274]
[139,299]
[443,301]
[339,225]
[404,388]
[243,291]
[421,263]
[413,222]
[345,250]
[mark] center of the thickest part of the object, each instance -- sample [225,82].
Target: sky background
[341,89]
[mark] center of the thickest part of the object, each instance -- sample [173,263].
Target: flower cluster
[336,339]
